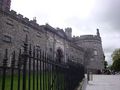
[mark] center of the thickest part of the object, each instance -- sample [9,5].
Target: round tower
[94,55]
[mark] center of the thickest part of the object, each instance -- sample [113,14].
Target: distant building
[86,49]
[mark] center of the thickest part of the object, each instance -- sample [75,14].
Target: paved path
[104,82]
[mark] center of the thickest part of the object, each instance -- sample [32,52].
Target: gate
[34,69]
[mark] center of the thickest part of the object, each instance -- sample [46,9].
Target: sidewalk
[104,82]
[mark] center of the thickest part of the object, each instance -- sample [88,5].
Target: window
[26,29]
[50,49]
[38,34]
[9,22]
[7,38]
[95,52]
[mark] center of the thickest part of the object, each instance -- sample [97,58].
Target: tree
[116,60]
[116,54]
[110,67]
[116,65]
[105,64]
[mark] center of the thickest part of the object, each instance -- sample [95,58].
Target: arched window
[59,55]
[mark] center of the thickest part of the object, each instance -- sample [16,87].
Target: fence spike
[51,75]
[19,67]
[30,50]
[29,70]
[12,69]
[19,58]
[34,54]
[13,59]
[5,58]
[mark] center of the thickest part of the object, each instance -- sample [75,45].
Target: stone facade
[86,49]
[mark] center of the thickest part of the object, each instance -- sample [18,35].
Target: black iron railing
[34,69]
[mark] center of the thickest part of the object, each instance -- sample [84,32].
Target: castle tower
[93,57]
[68,32]
[98,33]
[5,4]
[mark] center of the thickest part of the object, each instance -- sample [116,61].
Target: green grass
[47,77]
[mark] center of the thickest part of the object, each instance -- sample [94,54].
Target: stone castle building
[86,49]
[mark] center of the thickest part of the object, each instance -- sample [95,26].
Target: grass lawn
[43,81]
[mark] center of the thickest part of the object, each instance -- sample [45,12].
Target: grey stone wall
[69,49]
[13,33]
[14,28]
[86,49]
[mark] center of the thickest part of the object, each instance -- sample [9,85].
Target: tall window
[7,38]
[59,55]
[95,52]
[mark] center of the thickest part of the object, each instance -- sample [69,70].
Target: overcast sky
[83,16]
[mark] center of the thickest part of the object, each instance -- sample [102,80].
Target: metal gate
[34,69]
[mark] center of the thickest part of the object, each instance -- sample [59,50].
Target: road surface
[104,82]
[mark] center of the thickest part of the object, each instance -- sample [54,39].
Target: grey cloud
[83,25]
[108,50]
[107,11]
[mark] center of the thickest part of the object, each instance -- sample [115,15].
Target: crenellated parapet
[87,38]
[20,18]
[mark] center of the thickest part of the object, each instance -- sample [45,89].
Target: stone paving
[104,82]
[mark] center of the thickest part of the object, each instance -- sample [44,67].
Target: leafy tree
[116,60]
[116,65]
[116,55]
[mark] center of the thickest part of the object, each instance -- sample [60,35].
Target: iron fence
[34,69]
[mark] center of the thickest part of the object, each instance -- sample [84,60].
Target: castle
[86,49]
